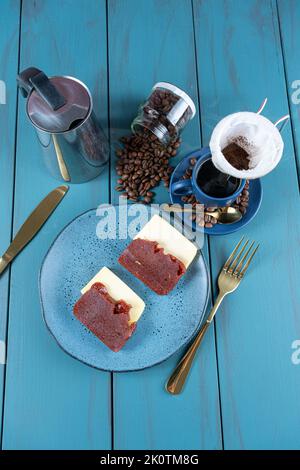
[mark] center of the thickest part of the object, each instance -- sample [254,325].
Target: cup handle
[182,188]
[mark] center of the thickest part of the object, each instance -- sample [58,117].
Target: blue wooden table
[229,55]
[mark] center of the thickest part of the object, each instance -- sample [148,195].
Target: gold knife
[32,225]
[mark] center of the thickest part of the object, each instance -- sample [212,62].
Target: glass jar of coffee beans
[165,113]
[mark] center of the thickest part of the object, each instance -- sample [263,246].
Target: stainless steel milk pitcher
[61,110]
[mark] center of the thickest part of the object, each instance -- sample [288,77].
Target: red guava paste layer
[148,262]
[105,317]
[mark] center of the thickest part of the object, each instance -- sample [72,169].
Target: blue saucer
[168,322]
[255,198]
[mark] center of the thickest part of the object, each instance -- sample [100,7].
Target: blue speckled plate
[167,324]
[255,198]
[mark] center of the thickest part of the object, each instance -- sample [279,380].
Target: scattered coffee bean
[244,203]
[142,163]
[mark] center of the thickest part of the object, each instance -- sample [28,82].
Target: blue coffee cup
[190,186]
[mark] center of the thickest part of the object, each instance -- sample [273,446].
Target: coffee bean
[142,163]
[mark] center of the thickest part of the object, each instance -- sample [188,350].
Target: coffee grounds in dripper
[236,156]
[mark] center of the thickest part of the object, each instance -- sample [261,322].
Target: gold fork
[229,279]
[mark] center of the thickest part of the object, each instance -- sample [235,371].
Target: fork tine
[236,259]
[248,262]
[228,262]
[239,266]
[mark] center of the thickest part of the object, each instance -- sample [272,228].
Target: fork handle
[177,379]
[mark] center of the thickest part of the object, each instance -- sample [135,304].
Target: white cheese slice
[118,290]
[168,238]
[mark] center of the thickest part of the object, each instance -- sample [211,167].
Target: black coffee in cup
[214,183]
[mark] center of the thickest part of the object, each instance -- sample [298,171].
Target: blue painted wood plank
[153,41]
[9,42]
[51,400]
[289,17]
[239,63]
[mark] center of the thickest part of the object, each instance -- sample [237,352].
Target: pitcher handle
[34,79]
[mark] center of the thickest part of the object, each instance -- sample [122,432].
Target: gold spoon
[224,215]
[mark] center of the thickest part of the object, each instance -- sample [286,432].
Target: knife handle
[4,262]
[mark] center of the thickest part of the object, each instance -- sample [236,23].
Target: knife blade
[32,225]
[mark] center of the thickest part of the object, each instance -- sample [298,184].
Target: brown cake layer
[106,318]
[148,262]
